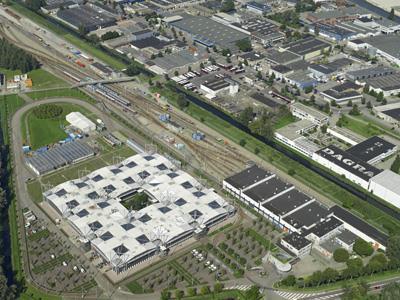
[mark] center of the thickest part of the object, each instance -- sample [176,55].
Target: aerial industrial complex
[228,149]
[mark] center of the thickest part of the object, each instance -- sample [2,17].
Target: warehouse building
[360,228]
[258,8]
[386,45]
[372,72]
[346,164]
[373,150]
[179,208]
[79,121]
[281,57]
[261,30]
[389,112]
[208,32]
[59,156]
[324,230]
[386,185]
[389,85]
[87,17]
[343,92]
[296,244]
[308,47]
[219,86]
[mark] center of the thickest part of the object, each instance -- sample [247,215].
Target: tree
[191,292]
[110,35]
[178,294]
[218,287]
[329,275]
[395,167]
[246,115]
[204,290]
[253,293]
[390,292]
[393,246]
[391,14]
[242,142]
[132,70]
[354,111]
[366,89]
[354,268]
[227,6]
[182,101]
[324,128]
[244,45]
[14,58]
[369,105]
[341,255]
[350,103]
[35,5]
[256,151]
[312,98]
[362,248]
[165,295]
[377,263]
[380,97]
[290,280]
[327,108]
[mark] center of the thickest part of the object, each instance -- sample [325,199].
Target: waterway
[295,156]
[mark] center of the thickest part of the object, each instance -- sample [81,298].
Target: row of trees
[47,111]
[14,58]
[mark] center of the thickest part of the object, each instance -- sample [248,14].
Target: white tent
[79,121]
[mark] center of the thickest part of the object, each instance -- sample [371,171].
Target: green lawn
[43,132]
[284,120]
[136,288]
[61,93]
[361,128]
[8,105]
[40,78]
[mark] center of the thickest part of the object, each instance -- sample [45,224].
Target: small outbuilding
[78,120]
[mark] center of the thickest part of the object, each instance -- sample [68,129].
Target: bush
[340,255]
[47,111]
[362,248]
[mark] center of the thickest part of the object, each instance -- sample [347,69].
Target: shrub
[47,111]
[340,255]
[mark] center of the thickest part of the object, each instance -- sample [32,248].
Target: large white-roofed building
[78,120]
[181,207]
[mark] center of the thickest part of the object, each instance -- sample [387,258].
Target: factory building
[386,185]
[304,112]
[296,244]
[79,121]
[373,150]
[218,86]
[178,209]
[346,164]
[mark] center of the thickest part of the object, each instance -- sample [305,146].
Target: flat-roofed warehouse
[86,17]
[344,163]
[373,150]
[209,32]
[179,208]
[308,47]
[59,156]
[389,85]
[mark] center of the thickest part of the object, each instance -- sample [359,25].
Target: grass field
[74,171]
[8,105]
[61,93]
[361,128]
[285,120]
[40,78]
[43,132]
[83,45]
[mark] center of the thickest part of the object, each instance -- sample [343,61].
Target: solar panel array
[59,156]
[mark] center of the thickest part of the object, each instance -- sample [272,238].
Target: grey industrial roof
[281,69]
[333,66]
[87,16]
[371,148]
[287,202]
[252,56]
[262,29]
[248,177]
[207,30]
[386,83]
[324,227]
[216,84]
[371,72]
[176,60]
[296,240]
[339,156]
[393,113]
[265,100]
[281,57]
[359,224]
[347,237]
[60,155]
[386,43]
[306,45]
[308,215]
[267,189]
[151,42]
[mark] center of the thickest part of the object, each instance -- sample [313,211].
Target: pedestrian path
[298,296]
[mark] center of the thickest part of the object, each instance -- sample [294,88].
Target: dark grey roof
[247,177]
[281,69]
[308,215]
[267,189]
[347,237]
[296,241]
[348,162]
[287,202]
[359,224]
[324,227]
[266,100]
[393,113]
[371,148]
[306,45]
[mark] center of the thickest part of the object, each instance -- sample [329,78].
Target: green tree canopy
[340,255]
[362,248]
